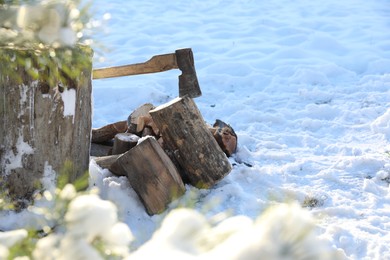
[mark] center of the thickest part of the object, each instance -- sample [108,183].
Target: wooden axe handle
[157,63]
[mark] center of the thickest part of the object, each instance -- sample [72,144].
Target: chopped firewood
[187,136]
[225,136]
[147,121]
[140,124]
[100,149]
[110,162]
[147,131]
[152,175]
[117,169]
[135,118]
[161,141]
[124,142]
[106,161]
[106,133]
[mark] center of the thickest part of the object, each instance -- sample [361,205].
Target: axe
[182,59]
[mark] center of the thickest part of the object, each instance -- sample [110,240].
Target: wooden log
[135,120]
[152,175]
[225,137]
[147,122]
[100,149]
[44,121]
[147,131]
[108,132]
[124,142]
[105,162]
[189,139]
[110,162]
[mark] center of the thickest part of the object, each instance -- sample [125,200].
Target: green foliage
[66,176]
[27,56]
[24,247]
[51,66]
[53,216]
[13,2]
[5,202]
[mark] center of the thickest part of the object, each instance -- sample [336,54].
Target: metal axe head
[188,81]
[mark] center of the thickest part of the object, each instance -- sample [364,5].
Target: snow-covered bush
[8,239]
[90,230]
[283,232]
[74,226]
[50,22]
[83,226]
[52,29]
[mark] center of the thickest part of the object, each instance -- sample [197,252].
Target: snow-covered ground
[306,87]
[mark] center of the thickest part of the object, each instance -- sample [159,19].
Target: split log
[225,136]
[147,131]
[152,175]
[108,132]
[187,136]
[44,122]
[147,122]
[110,162]
[135,121]
[106,161]
[124,142]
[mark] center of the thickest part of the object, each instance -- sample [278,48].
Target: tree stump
[152,175]
[45,120]
[188,138]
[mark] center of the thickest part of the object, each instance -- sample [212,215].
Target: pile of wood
[161,148]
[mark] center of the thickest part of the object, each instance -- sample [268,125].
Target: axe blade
[188,81]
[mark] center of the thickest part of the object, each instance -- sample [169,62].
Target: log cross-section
[187,136]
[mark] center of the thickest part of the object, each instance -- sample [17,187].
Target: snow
[13,159]
[48,179]
[144,138]
[127,137]
[382,124]
[50,22]
[10,238]
[283,232]
[87,220]
[306,87]
[69,98]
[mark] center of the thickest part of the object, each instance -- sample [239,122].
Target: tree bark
[152,175]
[42,125]
[188,138]
[107,133]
